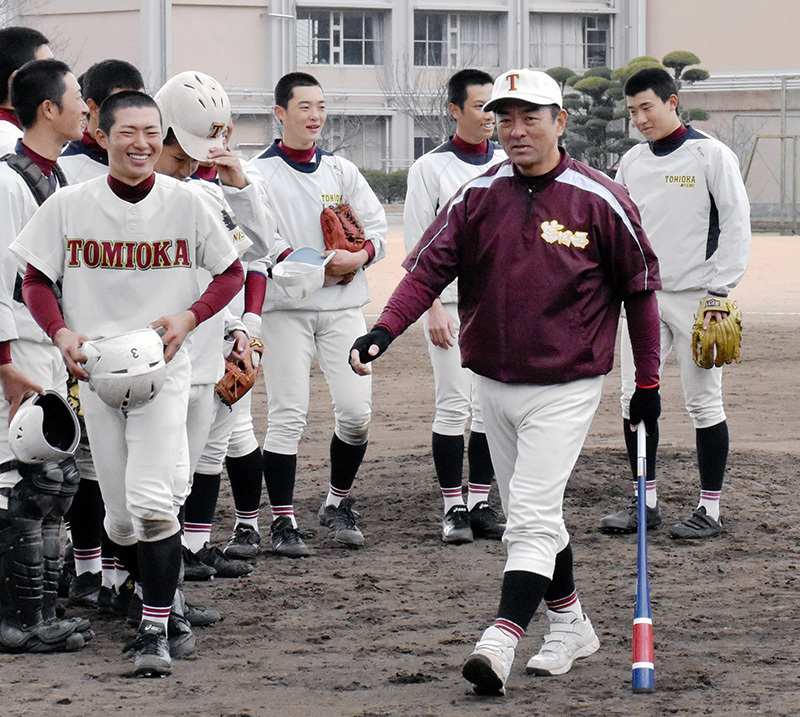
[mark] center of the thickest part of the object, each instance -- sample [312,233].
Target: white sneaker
[570,639]
[489,665]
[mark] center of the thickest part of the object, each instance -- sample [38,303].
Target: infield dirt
[384,630]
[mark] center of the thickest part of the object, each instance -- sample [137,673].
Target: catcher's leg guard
[21,567]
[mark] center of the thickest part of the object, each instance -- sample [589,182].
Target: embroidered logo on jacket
[554,233]
[686,181]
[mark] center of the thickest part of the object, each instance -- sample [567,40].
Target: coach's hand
[176,328]
[441,327]
[646,406]
[69,343]
[368,347]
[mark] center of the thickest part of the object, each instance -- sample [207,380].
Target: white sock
[709,499]
[452,496]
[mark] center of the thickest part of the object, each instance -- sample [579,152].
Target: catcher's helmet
[44,428]
[302,272]
[126,371]
[197,109]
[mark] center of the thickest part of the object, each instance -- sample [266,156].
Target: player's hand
[344,262]
[367,348]
[69,343]
[17,387]
[645,406]
[176,329]
[241,347]
[229,168]
[710,316]
[441,327]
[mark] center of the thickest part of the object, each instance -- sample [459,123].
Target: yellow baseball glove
[720,343]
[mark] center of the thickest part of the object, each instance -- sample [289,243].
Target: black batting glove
[646,406]
[379,336]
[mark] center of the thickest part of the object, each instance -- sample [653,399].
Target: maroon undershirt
[466,148]
[208,173]
[671,139]
[255,288]
[37,289]
[9,115]
[44,164]
[298,155]
[5,352]
[91,144]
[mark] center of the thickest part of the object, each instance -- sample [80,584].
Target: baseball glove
[721,341]
[240,376]
[341,229]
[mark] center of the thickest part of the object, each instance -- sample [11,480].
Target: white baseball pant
[535,434]
[140,456]
[455,392]
[292,339]
[702,388]
[231,435]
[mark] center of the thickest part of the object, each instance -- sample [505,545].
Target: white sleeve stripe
[581,181]
[483,182]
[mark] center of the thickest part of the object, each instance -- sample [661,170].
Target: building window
[574,41]
[339,37]
[423,145]
[456,39]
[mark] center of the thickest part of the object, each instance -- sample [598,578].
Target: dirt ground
[384,630]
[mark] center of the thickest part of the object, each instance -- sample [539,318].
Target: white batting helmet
[301,273]
[126,371]
[44,428]
[197,109]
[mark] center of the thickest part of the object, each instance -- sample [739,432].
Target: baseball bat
[643,671]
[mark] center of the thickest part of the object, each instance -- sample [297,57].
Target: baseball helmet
[197,109]
[44,428]
[302,272]
[126,371]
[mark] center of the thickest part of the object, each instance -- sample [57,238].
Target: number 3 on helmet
[126,371]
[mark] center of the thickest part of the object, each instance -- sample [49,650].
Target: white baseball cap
[532,86]
[302,272]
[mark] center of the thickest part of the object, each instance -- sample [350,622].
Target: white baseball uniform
[80,164]
[10,134]
[326,322]
[432,180]
[122,266]
[697,217]
[32,352]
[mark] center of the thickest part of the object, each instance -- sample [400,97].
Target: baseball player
[93,578]
[137,237]
[697,215]
[83,158]
[301,180]
[432,180]
[49,106]
[544,249]
[18,45]
[193,105]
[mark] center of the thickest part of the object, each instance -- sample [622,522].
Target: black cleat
[85,589]
[194,568]
[286,540]
[341,520]
[151,656]
[485,523]
[224,566]
[245,542]
[626,521]
[456,526]
[701,525]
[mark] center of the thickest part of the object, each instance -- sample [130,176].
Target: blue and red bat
[643,670]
